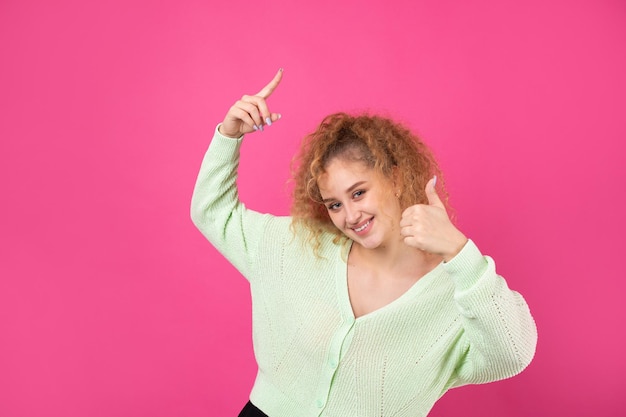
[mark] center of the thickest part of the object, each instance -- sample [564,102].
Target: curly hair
[381,143]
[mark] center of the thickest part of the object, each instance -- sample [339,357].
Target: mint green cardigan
[459,324]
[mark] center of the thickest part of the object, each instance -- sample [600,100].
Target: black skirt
[249,410]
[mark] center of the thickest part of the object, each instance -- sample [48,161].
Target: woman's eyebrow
[350,189]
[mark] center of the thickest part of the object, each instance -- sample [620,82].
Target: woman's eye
[334,206]
[358,193]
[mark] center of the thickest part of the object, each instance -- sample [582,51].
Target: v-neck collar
[343,294]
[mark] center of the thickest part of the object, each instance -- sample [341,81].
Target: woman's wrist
[220,129]
[455,248]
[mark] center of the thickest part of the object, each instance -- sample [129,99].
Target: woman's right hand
[251,112]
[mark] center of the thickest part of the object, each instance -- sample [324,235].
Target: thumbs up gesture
[427,227]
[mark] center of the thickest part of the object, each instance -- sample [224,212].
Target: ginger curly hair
[381,143]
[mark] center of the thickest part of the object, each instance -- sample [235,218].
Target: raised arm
[500,335]
[215,207]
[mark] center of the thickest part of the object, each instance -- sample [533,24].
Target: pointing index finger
[269,89]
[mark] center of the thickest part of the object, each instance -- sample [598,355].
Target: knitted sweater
[459,324]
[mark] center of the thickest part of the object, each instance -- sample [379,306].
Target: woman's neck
[395,259]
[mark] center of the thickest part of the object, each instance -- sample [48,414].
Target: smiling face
[360,203]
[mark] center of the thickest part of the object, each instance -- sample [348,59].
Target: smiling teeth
[362,227]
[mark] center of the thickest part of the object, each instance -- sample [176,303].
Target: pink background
[111,302]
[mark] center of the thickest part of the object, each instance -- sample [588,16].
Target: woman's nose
[353,215]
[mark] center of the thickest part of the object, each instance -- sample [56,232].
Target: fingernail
[268,120]
[280,115]
[280,69]
[255,127]
[434,181]
[261,128]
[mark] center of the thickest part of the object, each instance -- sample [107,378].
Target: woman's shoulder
[292,234]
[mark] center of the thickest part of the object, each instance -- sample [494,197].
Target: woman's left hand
[427,227]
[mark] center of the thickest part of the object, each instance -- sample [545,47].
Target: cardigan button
[319,403]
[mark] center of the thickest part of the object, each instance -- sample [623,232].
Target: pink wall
[112,304]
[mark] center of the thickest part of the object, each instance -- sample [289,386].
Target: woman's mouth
[362,228]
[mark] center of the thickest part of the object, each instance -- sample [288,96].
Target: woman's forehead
[342,173]
[346,166]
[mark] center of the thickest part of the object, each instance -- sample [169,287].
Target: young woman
[367,301]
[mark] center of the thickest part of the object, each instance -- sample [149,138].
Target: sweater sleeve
[216,210]
[500,335]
